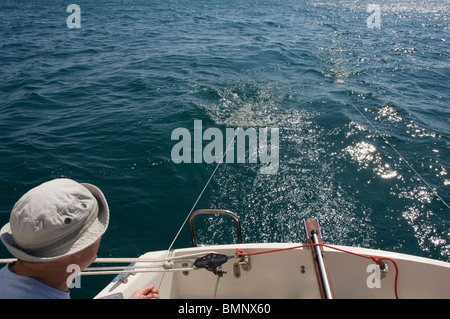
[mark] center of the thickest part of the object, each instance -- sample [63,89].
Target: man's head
[54,220]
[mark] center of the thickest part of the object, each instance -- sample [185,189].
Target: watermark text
[74,20]
[74,279]
[221,147]
[374,20]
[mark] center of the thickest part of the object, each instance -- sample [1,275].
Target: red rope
[377,260]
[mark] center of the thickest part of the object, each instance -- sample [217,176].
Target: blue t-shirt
[13,286]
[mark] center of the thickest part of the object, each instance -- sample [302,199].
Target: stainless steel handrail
[213,212]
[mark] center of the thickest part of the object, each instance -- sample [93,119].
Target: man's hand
[149,292]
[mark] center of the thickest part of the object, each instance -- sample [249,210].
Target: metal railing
[213,212]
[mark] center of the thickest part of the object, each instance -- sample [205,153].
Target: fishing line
[398,153]
[198,199]
[204,188]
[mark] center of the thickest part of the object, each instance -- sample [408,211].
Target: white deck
[280,275]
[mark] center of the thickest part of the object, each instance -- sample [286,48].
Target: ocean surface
[362,109]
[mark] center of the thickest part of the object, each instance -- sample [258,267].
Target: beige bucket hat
[54,220]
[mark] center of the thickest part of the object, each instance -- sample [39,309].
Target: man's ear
[72,259]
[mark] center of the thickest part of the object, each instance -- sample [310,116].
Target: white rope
[203,190]
[134,260]
[198,198]
[131,269]
[113,272]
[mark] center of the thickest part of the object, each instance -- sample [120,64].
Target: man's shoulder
[13,286]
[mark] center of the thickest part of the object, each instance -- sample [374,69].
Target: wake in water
[315,180]
[354,153]
[273,207]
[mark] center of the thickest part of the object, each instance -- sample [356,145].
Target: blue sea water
[362,111]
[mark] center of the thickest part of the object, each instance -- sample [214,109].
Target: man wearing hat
[54,225]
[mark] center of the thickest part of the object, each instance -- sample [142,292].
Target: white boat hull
[288,274]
